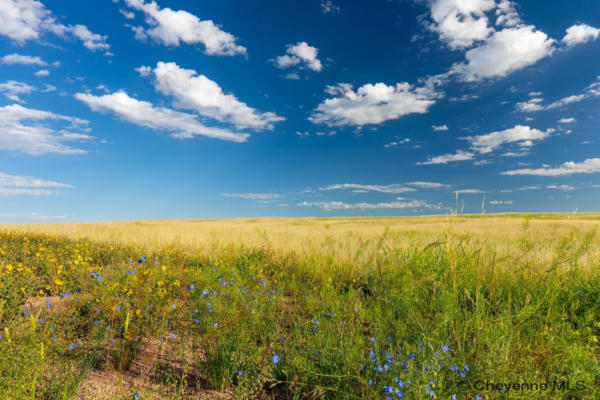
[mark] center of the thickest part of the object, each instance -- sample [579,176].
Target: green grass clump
[419,322]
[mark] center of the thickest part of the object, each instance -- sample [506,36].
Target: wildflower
[283,339]
[118,308]
[446,348]
[173,336]
[275,358]
[136,396]
[216,325]
[190,287]
[239,373]
[370,381]
[477,397]
[174,306]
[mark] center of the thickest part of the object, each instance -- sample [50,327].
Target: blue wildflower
[275,358]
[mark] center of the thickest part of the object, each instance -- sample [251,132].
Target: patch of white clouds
[566,120]
[180,125]
[300,55]
[500,202]
[172,27]
[588,166]
[394,188]
[460,155]
[23,20]
[193,91]
[523,136]
[15,185]
[13,89]
[396,143]
[18,59]
[580,33]
[22,129]
[339,205]
[371,104]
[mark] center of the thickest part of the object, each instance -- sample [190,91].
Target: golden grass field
[345,239]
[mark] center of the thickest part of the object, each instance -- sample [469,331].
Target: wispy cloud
[254,196]
[394,188]
[339,205]
[21,130]
[460,155]
[588,166]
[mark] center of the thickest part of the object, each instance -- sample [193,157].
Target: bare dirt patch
[161,370]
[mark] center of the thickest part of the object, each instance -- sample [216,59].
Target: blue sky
[135,109]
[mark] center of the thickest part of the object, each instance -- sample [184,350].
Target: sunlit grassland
[352,307]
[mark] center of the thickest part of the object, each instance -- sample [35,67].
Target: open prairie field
[466,307]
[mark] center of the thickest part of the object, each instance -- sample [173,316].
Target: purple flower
[275,358]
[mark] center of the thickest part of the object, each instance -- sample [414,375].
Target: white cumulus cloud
[16,59]
[504,52]
[580,33]
[521,135]
[170,28]
[181,125]
[23,20]
[460,23]
[196,92]
[371,104]
[300,54]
